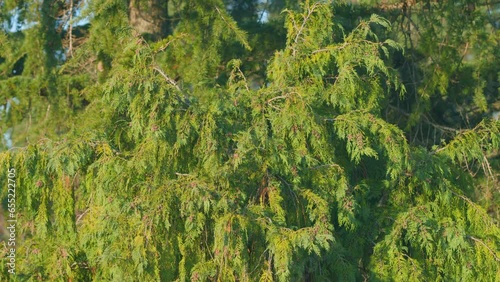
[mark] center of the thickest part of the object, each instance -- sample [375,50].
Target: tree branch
[167,78]
[482,243]
[310,10]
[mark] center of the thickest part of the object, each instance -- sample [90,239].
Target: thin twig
[276,98]
[428,121]
[46,114]
[244,78]
[81,215]
[329,49]
[488,167]
[167,78]
[170,41]
[470,202]
[326,165]
[70,31]
[481,242]
[301,29]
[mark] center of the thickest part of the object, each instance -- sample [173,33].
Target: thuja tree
[169,174]
[448,64]
[450,70]
[27,82]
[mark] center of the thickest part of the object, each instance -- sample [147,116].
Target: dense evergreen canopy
[246,140]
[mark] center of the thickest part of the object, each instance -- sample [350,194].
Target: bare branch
[167,78]
[81,215]
[482,243]
[310,11]
[70,30]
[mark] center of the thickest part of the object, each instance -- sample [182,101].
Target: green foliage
[169,166]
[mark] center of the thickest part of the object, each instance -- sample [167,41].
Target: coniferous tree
[153,158]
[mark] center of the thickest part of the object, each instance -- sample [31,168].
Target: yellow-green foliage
[170,175]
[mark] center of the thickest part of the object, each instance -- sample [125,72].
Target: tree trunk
[149,17]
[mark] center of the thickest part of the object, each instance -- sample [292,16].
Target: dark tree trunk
[149,17]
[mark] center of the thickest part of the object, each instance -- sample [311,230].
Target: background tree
[148,155]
